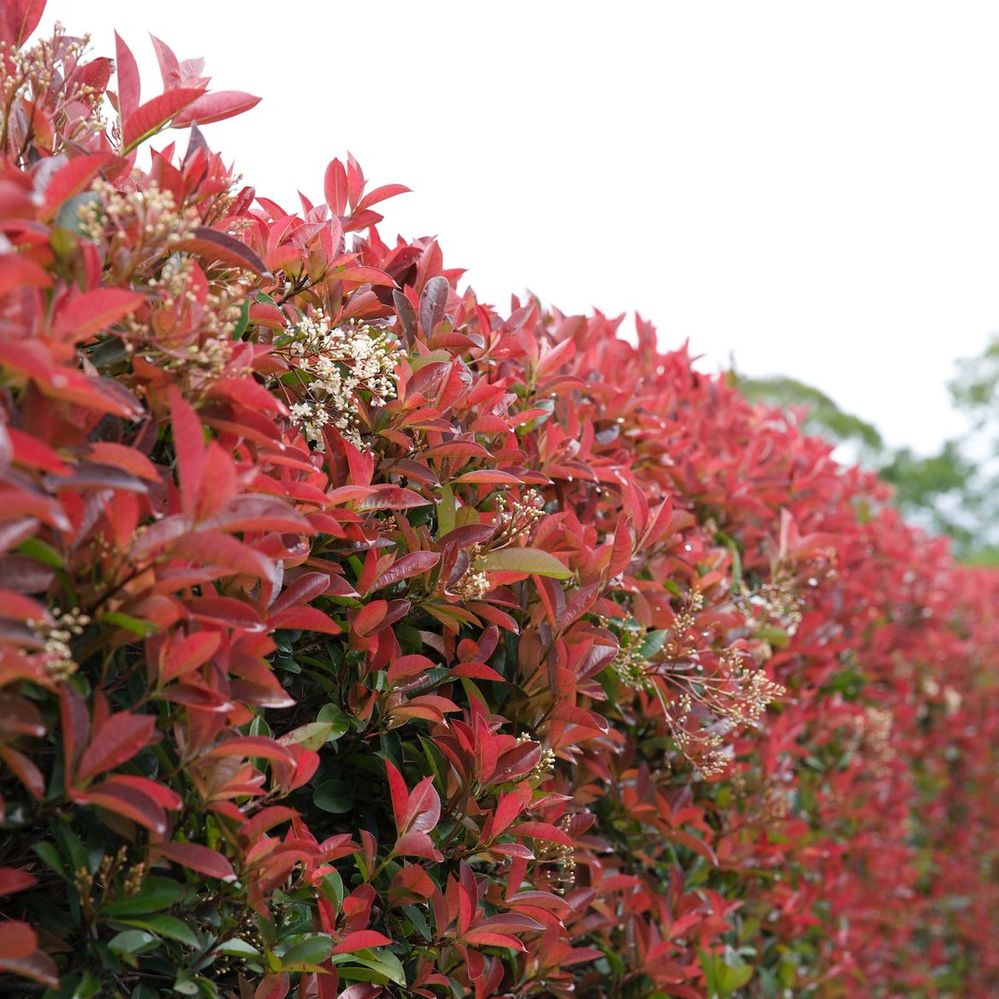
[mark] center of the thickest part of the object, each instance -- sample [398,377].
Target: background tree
[952,491]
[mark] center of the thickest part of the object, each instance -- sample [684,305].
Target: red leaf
[13,879]
[553,359]
[148,119]
[226,611]
[210,548]
[128,459]
[692,842]
[489,938]
[360,274]
[37,966]
[197,858]
[20,18]
[74,725]
[17,939]
[391,498]
[24,770]
[380,194]
[412,882]
[71,179]
[413,564]
[91,312]
[476,671]
[215,107]
[169,66]
[406,666]
[220,246]
[117,740]
[360,940]
[416,815]
[491,477]
[128,78]
[304,588]
[184,654]
[543,830]
[124,800]
[335,187]
[509,805]
[398,792]
[273,987]
[17,270]
[468,897]
[266,819]
[247,392]
[190,447]
[258,513]
[369,617]
[164,796]
[253,746]
[18,716]
[305,619]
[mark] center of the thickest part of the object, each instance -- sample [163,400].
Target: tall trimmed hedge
[357,639]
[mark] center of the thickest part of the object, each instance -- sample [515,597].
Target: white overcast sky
[810,187]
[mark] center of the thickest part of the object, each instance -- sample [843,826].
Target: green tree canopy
[953,491]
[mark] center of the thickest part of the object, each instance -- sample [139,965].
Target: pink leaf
[335,187]
[215,107]
[380,194]
[148,119]
[128,79]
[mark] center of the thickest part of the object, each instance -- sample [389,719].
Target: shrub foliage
[361,640]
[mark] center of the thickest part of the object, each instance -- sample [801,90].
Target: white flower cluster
[58,656]
[336,365]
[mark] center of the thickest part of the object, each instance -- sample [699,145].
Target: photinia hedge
[358,639]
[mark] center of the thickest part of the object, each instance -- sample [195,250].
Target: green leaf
[654,641]
[133,624]
[156,894]
[50,856]
[167,926]
[777,637]
[71,846]
[310,736]
[385,964]
[339,723]
[332,887]
[334,796]
[531,560]
[445,511]
[419,921]
[133,942]
[86,986]
[724,974]
[41,552]
[732,977]
[306,953]
[238,948]
[430,357]
[244,320]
